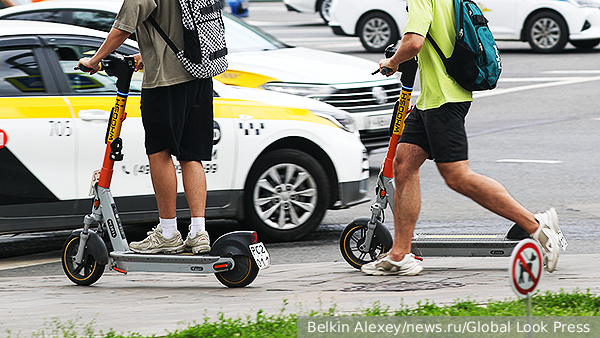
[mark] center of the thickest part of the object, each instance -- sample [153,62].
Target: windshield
[241,37]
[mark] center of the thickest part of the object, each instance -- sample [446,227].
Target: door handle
[94,115]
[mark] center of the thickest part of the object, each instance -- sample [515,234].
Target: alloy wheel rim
[545,33]
[377,32]
[285,196]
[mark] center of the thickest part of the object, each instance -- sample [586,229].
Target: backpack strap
[436,47]
[163,34]
[217,6]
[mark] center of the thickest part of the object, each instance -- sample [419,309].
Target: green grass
[284,325]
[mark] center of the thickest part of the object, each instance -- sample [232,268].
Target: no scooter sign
[525,267]
[3,138]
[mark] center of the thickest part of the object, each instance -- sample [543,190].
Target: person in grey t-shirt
[177,114]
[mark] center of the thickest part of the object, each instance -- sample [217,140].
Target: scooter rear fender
[232,244]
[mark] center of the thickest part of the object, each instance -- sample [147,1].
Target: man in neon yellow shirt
[435,130]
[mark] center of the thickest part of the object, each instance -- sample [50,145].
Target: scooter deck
[183,263]
[463,245]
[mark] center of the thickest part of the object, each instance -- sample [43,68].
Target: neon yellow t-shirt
[437,18]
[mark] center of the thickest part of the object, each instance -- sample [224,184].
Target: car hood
[304,65]
[271,98]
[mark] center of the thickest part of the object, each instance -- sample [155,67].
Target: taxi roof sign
[525,269]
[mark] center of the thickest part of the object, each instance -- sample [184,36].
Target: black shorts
[440,131]
[179,118]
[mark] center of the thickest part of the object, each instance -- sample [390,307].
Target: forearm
[410,46]
[115,38]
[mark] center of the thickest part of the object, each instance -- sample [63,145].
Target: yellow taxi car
[279,161]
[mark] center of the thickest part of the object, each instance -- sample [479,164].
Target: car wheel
[286,195]
[377,31]
[585,44]
[323,8]
[547,32]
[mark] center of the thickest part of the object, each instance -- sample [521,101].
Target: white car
[547,25]
[258,60]
[310,6]
[279,161]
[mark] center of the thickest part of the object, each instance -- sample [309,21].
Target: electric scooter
[235,258]
[365,238]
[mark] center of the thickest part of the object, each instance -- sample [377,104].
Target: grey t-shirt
[161,66]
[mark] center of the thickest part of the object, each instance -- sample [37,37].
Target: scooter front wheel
[244,272]
[86,273]
[354,235]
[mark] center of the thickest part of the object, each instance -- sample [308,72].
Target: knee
[402,168]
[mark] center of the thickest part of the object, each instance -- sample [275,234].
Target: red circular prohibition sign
[3,138]
[530,267]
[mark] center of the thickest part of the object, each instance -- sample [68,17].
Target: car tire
[273,200]
[376,31]
[547,32]
[585,44]
[323,7]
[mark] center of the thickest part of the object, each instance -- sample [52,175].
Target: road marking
[513,160]
[20,263]
[568,81]
[580,71]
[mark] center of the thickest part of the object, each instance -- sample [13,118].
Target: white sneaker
[157,243]
[547,237]
[384,265]
[199,243]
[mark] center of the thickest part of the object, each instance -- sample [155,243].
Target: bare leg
[407,199]
[487,192]
[194,184]
[164,181]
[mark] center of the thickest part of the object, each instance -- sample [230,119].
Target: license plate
[261,255]
[95,179]
[378,121]
[562,240]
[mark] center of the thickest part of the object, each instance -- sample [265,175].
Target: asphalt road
[537,134]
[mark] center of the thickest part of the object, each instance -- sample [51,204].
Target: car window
[241,37]
[20,73]
[81,82]
[102,21]
[48,16]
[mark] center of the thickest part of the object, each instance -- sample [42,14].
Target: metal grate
[372,96]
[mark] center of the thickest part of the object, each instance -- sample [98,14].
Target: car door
[37,154]
[502,16]
[91,98]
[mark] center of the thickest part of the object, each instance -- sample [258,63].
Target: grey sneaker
[157,243]
[199,243]
[384,265]
[547,237]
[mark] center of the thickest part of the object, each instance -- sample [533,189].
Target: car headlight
[338,117]
[314,91]
[587,3]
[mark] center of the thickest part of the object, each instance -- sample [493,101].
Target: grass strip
[282,325]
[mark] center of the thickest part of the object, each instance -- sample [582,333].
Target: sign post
[525,270]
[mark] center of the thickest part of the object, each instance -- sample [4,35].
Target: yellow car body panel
[244,79]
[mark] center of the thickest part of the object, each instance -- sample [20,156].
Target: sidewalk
[152,303]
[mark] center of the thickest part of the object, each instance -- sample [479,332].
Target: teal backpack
[475,62]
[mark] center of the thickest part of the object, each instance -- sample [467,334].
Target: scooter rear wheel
[244,272]
[354,235]
[86,273]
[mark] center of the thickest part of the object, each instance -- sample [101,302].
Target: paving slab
[157,303]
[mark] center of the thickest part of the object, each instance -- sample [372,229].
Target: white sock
[168,226]
[197,224]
